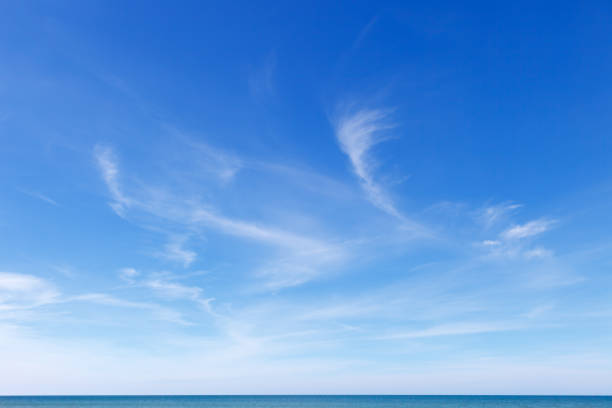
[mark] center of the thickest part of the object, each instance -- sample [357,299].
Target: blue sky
[348,197]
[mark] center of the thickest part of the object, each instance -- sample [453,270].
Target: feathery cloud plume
[107,163]
[357,133]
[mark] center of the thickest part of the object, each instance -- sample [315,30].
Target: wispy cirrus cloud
[528,229]
[538,252]
[511,241]
[357,132]
[456,329]
[22,291]
[40,196]
[160,312]
[175,250]
[223,165]
[169,289]
[165,285]
[128,274]
[492,214]
[302,256]
[107,163]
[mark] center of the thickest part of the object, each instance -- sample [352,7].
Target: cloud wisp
[40,196]
[357,133]
[174,250]
[160,312]
[21,291]
[529,229]
[107,163]
[493,214]
[514,240]
[168,289]
[301,257]
[456,329]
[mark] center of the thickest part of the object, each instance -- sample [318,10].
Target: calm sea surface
[307,402]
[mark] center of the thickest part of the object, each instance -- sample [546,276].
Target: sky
[305,198]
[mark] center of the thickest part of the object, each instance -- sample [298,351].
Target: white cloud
[107,163]
[223,165]
[357,133]
[173,290]
[527,230]
[20,291]
[162,284]
[455,329]
[494,213]
[307,256]
[160,312]
[511,242]
[128,274]
[539,311]
[303,244]
[40,196]
[538,253]
[175,251]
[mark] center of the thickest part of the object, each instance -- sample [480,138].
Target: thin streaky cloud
[128,274]
[364,32]
[527,230]
[224,165]
[307,256]
[40,196]
[165,288]
[303,244]
[193,213]
[107,163]
[539,311]
[455,329]
[538,253]
[160,312]
[492,214]
[175,251]
[163,285]
[23,291]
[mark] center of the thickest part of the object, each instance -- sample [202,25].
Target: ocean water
[373,401]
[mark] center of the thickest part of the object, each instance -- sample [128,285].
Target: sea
[306,401]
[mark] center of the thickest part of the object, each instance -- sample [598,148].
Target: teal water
[386,401]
